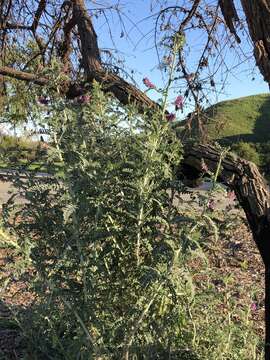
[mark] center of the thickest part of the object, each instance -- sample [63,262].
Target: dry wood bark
[230,16]
[257,14]
[122,90]
[258,19]
[22,75]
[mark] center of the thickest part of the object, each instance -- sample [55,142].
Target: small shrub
[247,151]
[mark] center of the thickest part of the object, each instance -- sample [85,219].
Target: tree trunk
[267,311]
[125,92]
[258,19]
[257,14]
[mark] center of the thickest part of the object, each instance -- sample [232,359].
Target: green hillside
[246,119]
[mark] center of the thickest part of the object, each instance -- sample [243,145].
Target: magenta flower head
[42,100]
[179,102]
[148,83]
[231,195]
[83,99]
[211,204]
[170,117]
[253,307]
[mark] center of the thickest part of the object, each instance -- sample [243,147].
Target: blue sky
[135,45]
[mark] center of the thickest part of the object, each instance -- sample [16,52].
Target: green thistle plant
[116,263]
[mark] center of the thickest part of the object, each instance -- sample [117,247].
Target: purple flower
[253,307]
[83,99]
[170,117]
[148,83]
[179,101]
[231,195]
[211,204]
[42,100]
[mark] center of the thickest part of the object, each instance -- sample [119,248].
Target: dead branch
[230,16]
[40,9]
[13,26]
[21,75]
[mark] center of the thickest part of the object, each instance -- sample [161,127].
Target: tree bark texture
[258,19]
[230,16]
[125,92]
[257,14]
[267,312]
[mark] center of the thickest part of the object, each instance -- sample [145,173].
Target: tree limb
[230,16]
[66,45]
[22,75]
[37,16]
[40,9]
[92,65]
[13,26]
[189,15]
[89,45]
[109,82]
[249,185]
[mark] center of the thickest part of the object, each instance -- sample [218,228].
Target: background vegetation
[242,124]
[16,151]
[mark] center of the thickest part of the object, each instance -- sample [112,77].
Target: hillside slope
[246,119]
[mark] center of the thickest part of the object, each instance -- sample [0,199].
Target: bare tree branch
[230,16]
[189,15]
[13,26]
[66,45]
[89,45]
[40,9]
[125,92]
[21,75]
[91,60]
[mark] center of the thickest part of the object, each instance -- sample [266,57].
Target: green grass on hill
[244,119]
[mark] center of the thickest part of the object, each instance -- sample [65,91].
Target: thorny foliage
[119,270]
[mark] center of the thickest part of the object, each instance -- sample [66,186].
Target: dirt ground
[12,298]
[5,188]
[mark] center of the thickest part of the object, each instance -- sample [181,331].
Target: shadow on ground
[10,338]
